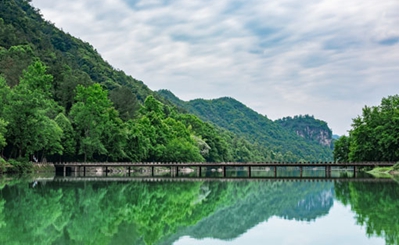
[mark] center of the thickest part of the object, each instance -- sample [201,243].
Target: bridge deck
[222,179]
[223,164]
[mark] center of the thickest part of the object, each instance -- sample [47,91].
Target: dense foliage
[232,115]
[374,135]
[33,126]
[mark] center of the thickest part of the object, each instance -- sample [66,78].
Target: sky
[279,57]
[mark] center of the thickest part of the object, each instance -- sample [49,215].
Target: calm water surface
[48,210]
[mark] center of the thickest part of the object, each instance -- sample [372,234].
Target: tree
[99,129]
[341,149]
[28,112]
[125,102]
[3,130]
[374,135]
[4,92]
[68,141]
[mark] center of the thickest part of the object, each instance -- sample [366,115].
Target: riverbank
[385,172]
[15,166]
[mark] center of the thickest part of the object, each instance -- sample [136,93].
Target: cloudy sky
[327,58]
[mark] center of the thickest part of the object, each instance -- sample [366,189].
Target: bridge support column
[177,171]
[64,171]
[84,171]
[328,171]
[249,171]
[128,171]
[152,171]
[106,170]
[301,171]
[275,171]
[199,171]
[173,171]
[224,171]
[355,171]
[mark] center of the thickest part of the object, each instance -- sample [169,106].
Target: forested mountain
[61,101]
[309,128]
[280,136]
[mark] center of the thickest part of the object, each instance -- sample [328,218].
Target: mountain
[25,36]
[32,48]
[311,143]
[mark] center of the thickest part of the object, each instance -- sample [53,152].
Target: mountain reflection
[161,213]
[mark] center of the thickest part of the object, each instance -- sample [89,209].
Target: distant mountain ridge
[234,116]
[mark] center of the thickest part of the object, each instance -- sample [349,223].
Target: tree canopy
[374,135]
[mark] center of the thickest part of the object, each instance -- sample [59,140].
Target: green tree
[28,112]
[125,102]
[4,92]
[89,117]
[67,140]
[374,135]
[99,129]
[3,130]
[341,149]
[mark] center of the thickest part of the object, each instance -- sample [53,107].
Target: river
[60,210]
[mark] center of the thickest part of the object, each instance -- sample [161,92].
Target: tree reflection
[376,207]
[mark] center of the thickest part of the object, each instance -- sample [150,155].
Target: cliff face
[309,128]
[319,135]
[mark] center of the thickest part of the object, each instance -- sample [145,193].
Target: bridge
[209,179]
[176,167]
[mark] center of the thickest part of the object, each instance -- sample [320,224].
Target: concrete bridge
[175,167]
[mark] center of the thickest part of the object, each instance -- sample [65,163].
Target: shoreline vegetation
[385,172]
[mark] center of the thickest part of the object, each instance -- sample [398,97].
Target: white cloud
[324,58]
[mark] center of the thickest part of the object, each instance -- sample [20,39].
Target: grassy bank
[385,172]
[23,166]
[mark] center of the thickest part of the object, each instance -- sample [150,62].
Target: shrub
[3,164]
[20,166]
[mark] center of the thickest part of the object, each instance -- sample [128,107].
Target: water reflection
[67,212]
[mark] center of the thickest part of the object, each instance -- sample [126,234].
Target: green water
[47,210]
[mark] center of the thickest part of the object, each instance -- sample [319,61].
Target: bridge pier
[328,171]
[275,171]
[224,171]
[249,171]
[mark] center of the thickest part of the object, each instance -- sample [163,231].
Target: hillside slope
[234,116]
[72,69]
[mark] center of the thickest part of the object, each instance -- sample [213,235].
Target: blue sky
[279,57]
